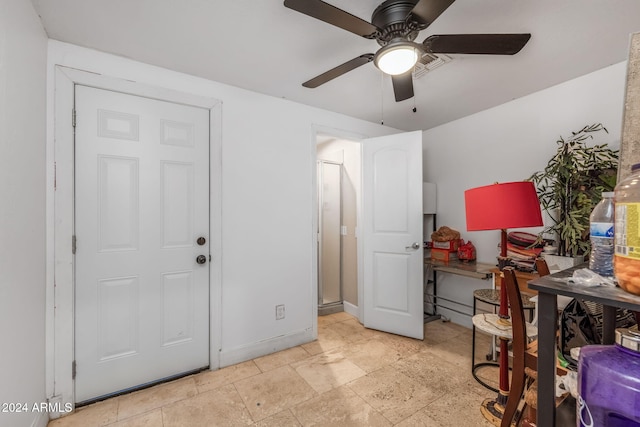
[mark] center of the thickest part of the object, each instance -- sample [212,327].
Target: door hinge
[73,370]
[73,244]
[73,117]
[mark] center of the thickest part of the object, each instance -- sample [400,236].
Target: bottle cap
[628,338]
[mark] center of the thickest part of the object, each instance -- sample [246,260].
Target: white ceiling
[262,46]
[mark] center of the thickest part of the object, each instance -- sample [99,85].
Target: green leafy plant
[571,185]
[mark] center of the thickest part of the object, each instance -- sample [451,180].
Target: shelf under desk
[472,269]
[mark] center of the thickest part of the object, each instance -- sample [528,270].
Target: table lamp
[500,207]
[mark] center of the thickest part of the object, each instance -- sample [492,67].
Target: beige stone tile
[325,320]
[327,340]
[281,358]
[149,419]
[333,318]
[370,355]
[98,414]
[155,397]
[457,351]
[327,370]
[402,345]
[273,391]
[281,419]
[410,382]
[420,419]
[431,371]
[220,407]
[455,410]
[347,327]
[392,393]
[342,316]
[210,380]
[338,407]
[438,331]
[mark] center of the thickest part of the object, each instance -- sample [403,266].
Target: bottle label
[601,229]
[627,230]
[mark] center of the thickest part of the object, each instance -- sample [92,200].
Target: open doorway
[338,190]
[381,251]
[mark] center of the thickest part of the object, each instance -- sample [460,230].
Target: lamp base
[493,409]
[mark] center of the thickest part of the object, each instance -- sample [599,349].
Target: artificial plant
[571,185]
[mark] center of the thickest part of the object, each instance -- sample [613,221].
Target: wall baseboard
[353,310]
[41,420]
[262,348]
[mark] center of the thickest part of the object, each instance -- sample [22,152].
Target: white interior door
[392,234]
[141,204]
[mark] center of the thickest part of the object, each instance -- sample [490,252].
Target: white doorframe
[357,138]
[60,159]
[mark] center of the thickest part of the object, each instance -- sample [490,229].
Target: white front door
[141,206]
[392,234]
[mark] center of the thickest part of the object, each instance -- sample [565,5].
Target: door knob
[415,245]
[201,259]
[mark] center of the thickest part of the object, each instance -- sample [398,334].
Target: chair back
[541,267]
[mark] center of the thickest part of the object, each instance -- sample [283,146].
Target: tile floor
[350,376]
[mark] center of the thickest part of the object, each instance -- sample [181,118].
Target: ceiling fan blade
[429,10]
[482,44]
[332,15]
[339,70]
[403,86]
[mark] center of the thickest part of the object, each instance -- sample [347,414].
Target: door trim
[60,194]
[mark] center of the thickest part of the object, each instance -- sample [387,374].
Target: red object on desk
[467,252]
[499,207]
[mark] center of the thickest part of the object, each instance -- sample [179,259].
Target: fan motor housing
[394,19]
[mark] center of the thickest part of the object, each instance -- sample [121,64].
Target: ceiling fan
[395,24]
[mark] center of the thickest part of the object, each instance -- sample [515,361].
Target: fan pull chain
[381,98]
[415,90]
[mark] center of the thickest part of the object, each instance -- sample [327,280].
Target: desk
[477,270]
[549,287]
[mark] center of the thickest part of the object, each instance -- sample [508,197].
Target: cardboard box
[451,245]
[443,255]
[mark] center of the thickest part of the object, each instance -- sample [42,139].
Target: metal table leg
[547,322]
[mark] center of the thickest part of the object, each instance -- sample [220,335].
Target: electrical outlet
[279,311]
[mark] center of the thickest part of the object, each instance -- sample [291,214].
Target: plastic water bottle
[602,236]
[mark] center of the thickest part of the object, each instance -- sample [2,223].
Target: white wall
[23,55]
[268,179]
[509,143]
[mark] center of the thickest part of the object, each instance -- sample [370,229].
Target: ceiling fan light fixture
[397,57]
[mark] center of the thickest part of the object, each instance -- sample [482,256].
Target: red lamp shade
[502,206]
